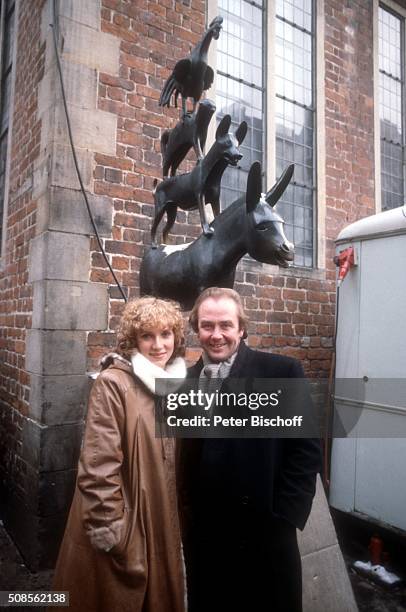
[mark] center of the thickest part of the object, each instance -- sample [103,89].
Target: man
[241,500]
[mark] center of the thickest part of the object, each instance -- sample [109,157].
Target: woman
[121,550]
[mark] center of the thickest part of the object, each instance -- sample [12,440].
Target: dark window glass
[6,56]
[294,120]
[391,100]
[239,86]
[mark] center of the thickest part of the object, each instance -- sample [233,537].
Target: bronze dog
[188,191]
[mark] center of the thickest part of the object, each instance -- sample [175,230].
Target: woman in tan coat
[121,549]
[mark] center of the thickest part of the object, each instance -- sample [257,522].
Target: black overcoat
[241,501]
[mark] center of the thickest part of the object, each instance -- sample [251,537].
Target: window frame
[319,210]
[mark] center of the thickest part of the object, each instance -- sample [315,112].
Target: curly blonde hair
[144,314]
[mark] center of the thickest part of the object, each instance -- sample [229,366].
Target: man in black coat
[241,500]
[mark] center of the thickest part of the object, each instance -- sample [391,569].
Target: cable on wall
[54,27]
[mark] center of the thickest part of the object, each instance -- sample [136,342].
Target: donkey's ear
[253,193]
[223,126]
[241,132]
[277,190]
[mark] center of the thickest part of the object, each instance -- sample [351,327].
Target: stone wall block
[60,448]
[63,170]
[58,255]
[70,305]
[65,210]
[71,204]
[56,491]
[80,87]
[55,400]
[38,538]
[92,129]
[48,449]
[46,20]
[84,45]
[41,176]
[31,444]
[85,13]
[55,352]
[56,165]
[48,493]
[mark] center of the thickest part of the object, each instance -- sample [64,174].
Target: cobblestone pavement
[370,597]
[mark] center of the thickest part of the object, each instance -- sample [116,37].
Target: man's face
[218,328]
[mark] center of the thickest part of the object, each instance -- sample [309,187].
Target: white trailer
[368,468]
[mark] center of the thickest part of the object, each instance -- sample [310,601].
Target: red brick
[115,191]
[113,176]
[126,220]
[317,296]
[114,106]
[293,294]
[138,63]
[121,32]
[105,160]
[115,93]
[135,180]
[129,138]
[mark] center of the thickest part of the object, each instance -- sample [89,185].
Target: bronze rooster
[191,76]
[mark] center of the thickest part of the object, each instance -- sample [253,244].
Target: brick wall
[349,115]
[15,291]
[153,36]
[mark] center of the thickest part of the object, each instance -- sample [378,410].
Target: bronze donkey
[249,225]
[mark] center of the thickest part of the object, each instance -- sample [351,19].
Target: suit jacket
[221,479]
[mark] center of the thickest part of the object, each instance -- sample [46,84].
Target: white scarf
[158,380]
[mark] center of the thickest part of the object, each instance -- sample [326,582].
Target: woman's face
[156,344]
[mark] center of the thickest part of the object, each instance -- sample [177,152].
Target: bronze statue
[190,131]
[250,225]
[200,186]
[192,75]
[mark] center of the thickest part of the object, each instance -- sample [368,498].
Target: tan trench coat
[124,472]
